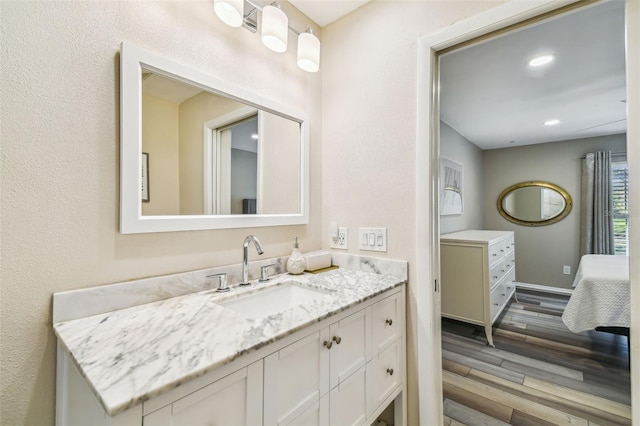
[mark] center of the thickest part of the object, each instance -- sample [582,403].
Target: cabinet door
[348,350]
[384,374]
[295,378]
[233,400]
[386,322]
[347,401]
[316,415]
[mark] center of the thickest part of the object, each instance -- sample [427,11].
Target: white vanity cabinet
[477,270]
[343,370]
[357,360]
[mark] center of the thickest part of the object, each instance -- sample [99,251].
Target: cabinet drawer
[497,300]
[384,374]
[386,322]
[494,252]
[510,283]
[495,274]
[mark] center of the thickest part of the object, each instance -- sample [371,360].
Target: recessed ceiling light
[552,122]
[540,60]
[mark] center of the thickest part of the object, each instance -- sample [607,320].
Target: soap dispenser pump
[296,262]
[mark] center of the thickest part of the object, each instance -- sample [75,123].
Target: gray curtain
[596,206]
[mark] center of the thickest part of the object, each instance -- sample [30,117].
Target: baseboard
[544,288]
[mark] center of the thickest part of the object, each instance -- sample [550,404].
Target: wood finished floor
[539,373]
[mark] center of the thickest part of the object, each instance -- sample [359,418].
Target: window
[620,188]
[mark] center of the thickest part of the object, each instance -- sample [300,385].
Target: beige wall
[59,177]
[160,141]
[194,112]
[369,66]
[542,251]
[455,147]
[279,152]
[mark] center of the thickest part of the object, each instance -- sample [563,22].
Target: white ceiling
[324,12]
[491,97]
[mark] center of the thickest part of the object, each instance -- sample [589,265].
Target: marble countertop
[133,354]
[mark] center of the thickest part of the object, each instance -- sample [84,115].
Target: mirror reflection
[212,155]
[534,203]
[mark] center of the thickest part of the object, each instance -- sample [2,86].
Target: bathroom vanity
[325,349]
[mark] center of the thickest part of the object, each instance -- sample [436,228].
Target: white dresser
[478,275]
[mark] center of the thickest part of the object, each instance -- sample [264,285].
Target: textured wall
[542,251]
[369,131]
[455,147]
[60,142]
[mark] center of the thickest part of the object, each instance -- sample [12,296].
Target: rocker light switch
[373,239]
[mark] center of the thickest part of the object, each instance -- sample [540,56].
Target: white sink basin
[273,300]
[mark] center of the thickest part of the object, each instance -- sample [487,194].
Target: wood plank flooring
[539,372]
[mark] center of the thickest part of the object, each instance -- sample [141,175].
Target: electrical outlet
[342,241]
[566,269]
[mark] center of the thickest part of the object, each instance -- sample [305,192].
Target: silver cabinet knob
[390,371]
[328,344]
[388,321]
[337,339]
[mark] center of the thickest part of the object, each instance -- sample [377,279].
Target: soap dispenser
[296,262]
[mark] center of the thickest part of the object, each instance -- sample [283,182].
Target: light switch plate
[342,241]
[372,239]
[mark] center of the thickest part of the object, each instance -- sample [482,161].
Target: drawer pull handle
[502,251]
[328,344]
[388,321]
[390,371]
[501,270]
[494,255]
[495,276]
[495,304]
[503,294]
[337,339]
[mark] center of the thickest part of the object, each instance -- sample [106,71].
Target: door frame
[427,296]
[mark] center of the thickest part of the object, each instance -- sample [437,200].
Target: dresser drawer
[497,272]
[497,300]
[494,252]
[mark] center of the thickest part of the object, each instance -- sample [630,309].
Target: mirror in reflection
[212,155]
[534,203]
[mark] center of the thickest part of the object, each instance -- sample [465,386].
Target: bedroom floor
[539,373]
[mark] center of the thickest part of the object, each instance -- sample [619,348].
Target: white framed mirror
[200,153]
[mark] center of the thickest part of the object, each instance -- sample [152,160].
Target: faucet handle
[264,274]
[222,278]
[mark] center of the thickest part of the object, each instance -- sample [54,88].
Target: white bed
[601,294]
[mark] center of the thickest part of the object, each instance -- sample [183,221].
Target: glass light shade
[230,11]
[275,28]
[308,52]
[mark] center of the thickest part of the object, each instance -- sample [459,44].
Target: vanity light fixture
[230,11]
[274,29]
[308,51]
[540,60]
[552,122]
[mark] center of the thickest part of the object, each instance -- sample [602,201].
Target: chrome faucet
[245,257]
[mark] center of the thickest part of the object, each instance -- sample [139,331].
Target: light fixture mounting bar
[251,23]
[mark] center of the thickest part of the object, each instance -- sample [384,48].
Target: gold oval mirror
[534,203]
